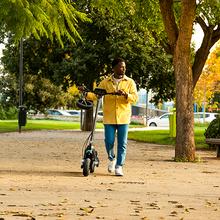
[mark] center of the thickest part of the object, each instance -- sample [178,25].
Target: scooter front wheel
[92,167]
[86,166]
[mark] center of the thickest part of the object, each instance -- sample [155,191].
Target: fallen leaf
[12,189]
[134,201]
[173,202]
[87,210]
[173,213]
[179,206]
[192,208]
[109,190]
[134,214]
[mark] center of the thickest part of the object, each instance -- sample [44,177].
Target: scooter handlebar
[102,92]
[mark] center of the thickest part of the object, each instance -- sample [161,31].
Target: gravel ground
[41,178]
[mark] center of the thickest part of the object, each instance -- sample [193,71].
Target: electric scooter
[90,155]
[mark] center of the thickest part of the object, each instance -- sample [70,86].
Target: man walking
[117,113]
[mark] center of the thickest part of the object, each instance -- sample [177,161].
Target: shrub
[213,130]
[2,113]
[12,113]
[9,113]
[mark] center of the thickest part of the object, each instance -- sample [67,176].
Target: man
[117,113]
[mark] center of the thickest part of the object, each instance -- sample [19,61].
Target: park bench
[215,142]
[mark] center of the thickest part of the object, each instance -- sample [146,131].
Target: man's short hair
[116,61]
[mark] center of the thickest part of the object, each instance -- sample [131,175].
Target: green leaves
[209,10]
[48,18]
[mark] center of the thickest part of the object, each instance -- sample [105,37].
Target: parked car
[57,112]
[74,112]
[204,116]
[99,115]
[163,120]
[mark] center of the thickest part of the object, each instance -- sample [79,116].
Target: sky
[1,47]
[197,36]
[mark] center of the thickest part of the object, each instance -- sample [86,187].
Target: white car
[201,117]
[74,112]
[57,112]
[163,120]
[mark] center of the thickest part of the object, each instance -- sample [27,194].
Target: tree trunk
[179,40]
[185,145]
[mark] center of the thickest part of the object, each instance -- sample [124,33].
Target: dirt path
[41,178]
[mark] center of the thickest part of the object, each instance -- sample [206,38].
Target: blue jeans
[122,136]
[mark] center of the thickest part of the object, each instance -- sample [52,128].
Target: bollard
[172,123]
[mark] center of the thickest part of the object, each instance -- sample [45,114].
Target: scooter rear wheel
[86,166]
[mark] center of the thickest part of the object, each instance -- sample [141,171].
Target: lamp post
[21,78]
[22,114]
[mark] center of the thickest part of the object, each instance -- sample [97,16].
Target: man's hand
[122,92]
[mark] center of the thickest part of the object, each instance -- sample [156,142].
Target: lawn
[162,136]
[155,136]
[12,125]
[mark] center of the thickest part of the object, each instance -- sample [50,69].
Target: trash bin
[172,123]
[22,116]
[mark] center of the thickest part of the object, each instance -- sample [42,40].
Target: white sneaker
[111,166]
[118,171]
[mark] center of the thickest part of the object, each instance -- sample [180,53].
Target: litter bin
[22,116]
[172,123]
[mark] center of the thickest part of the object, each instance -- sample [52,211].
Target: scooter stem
[94,120]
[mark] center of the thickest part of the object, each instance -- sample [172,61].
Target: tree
[178,18]
[209,82]
[52,19]
[90,59]
[187,73]
[39,93]
[23,18]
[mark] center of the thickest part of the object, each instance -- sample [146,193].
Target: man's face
[119,70]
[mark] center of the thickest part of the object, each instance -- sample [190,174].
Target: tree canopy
[87,61]
[23,18]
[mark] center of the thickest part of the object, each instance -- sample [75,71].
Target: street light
[22,113]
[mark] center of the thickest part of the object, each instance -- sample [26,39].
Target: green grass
[162,137]
[12,125]
[155,136]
